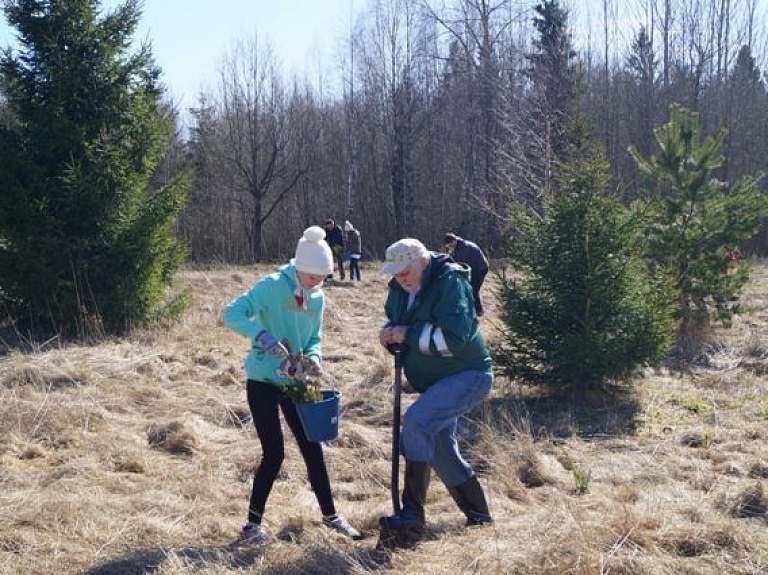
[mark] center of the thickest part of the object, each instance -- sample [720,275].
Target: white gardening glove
[300,366]
[270,345]
[312,367]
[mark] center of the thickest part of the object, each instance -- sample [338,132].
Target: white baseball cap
[401,253]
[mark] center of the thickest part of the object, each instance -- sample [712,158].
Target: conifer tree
[554,80]
[580,311]
[88,243]
[696,224]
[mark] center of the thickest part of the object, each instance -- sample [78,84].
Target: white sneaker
[342,526]
[253,534]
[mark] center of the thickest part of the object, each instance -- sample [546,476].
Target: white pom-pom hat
[313,255]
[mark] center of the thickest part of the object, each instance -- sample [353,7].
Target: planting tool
[396,350]
[391,538]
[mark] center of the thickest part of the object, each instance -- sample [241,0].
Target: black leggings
[264,400]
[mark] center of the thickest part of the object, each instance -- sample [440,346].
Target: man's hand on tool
[270,345]
[392,334]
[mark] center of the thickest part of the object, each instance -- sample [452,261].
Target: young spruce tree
[580,311]
[695,224]
[88,245]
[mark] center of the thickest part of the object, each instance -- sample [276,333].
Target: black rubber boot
[470,498]
[411,517]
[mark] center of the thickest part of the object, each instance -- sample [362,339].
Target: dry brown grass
[136,456]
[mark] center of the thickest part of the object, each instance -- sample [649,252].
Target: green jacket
[443,334]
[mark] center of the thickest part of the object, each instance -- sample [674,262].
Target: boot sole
[385,524]
[390,538]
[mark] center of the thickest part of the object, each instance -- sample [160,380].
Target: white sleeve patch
[440,343]
[433,335]
[424,339]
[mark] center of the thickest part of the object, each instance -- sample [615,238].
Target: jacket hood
[289,272]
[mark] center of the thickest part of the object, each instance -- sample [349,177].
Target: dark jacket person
[466,252]
[335,238]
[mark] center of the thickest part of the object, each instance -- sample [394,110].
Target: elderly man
[466,252]
[430,313]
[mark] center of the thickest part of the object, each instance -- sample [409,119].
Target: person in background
[335,238]
[354,249]
[466,252]
[282,315]
[431,316]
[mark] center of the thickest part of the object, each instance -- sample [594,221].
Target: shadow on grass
[146,561]
[318,559]
[12,340]
[558,417]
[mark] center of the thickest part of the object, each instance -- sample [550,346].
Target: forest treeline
[456,116]
[448,113]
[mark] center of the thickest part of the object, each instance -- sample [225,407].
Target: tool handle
[395,349]
[397,393]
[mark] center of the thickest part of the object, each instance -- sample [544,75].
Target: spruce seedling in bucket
[318,408]
[302,386]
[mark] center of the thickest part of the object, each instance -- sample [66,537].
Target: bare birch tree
[386,64]
[475,31]
[257,143]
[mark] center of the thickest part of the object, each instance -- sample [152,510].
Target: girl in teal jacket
[278,305]
[282,316]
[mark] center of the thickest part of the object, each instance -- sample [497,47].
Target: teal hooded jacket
[272,305]
[443,334]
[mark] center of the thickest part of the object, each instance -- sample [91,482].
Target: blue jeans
[429,424]
[354,268]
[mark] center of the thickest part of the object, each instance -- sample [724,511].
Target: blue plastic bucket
[320,419]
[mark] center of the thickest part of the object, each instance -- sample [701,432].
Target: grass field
[136,456]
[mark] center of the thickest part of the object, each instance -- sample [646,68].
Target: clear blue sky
[190,37]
